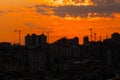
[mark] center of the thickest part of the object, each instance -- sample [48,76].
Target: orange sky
[63,17]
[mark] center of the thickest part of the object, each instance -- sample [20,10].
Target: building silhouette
[115,37]
[86,40]
[64,59]
[35,40]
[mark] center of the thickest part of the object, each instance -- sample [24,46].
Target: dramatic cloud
[103,8]
[107,2]
[85,11]
[44,9]
[39,10]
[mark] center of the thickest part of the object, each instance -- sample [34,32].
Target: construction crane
[48,34]
[19,32]
[19,35]
[95,36]
[91,34]
[100,38]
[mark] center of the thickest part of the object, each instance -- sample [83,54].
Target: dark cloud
[43,9]
[78,1]
[106,2]
[100,2]
[34,26]
[104,8]
[83,11]
[43,6]
[39,10]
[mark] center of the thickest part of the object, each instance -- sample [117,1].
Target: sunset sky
[66,18]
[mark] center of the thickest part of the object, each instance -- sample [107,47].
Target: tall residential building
[76,40]
[35,40]
[115,37]
[27,40]
[42,39]
[86,40]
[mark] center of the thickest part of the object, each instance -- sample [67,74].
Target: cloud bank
[102,8]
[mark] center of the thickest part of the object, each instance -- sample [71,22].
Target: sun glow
[69,2]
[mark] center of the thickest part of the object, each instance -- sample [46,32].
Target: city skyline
[68,18]
[63,59]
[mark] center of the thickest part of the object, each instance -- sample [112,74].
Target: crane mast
[48,34]
[19,36]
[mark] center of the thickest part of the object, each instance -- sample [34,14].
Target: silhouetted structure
[64,59]
[86,40]
[115,37]
[5,44]
[35,40]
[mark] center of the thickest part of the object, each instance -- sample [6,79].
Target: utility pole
[19,36]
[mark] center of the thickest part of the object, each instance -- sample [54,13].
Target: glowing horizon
[69,2]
